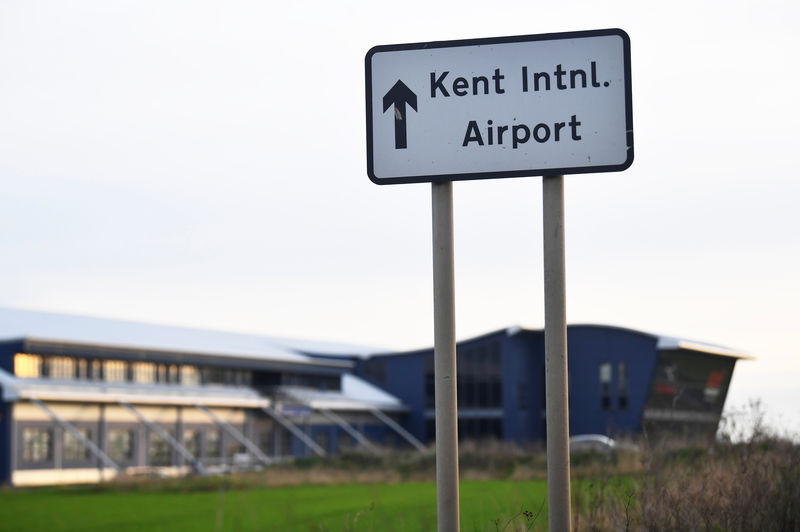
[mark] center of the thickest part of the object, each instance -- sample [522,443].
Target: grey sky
[203,163]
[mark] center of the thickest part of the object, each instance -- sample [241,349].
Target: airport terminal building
[86,399]
[621,382]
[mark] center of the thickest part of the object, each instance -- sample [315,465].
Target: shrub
[733,484]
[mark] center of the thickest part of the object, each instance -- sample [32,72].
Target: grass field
[751,485]
[378,507]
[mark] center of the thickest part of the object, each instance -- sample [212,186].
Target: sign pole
[530,105]
[445,358]
[555,347]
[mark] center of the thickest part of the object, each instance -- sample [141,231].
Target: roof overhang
[15,389]
[355,395]
[666,343]
[249,360]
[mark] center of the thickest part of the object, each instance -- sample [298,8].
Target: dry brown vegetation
[747,480]
[738,487]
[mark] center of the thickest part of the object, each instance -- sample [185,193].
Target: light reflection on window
[27,365]
[114,370]
[144,372]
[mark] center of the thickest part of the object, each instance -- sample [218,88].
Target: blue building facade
[621,381]
[82,399]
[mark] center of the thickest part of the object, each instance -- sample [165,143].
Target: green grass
[378,507]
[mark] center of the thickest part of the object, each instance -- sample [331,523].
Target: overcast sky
[203,163]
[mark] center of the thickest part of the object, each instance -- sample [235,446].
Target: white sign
[503,107]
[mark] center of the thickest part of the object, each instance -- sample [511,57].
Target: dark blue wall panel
[523,386]
[588,348]
[7,350]
[523,381]
[5,441]
[402,375]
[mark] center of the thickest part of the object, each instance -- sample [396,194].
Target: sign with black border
[557,103]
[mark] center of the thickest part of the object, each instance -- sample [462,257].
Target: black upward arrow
[400,95]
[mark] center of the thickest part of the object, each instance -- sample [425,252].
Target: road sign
[557,103]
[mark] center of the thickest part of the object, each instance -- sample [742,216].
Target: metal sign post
[555,353]
[444,348]
[550,104]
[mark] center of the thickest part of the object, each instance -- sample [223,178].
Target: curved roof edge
[663,342]
[668,342]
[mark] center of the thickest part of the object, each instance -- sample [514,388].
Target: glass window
[469,427]
[159,450]
[470,389]
[430,390]
[144,372]
[213,444]
[172,374]
[605,373]
[82,369]
[233,449]
[483,393]
[37,444]
[191,440]
[96,369]
[120,444]
[27,366]
[115,370]
[88,369]
[74,449]
[605,385]
[497,394]
[622,386]
[497,428]
[61,368]
[285,443]
[714,384]
[237,377]
[430,429]
[523,395]
[266,442]
[213,376]
[686,381]
[190,376]
[323,439]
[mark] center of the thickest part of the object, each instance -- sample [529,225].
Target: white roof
[356,394]
[662,342]
[318,347]
[16,324]
[670,342]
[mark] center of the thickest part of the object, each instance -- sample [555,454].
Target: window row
[479,378]
[472,392]
[28,365]
[484,360]
[122,445]
[38,445]
[471,429]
